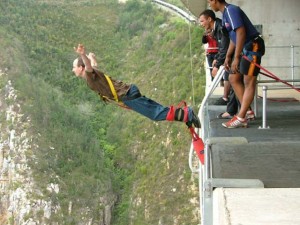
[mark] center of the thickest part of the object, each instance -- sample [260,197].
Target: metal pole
[206,191]
[255,99]
[264,109]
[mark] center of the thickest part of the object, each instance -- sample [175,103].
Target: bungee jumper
[128,95]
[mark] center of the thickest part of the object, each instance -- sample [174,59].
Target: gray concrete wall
[280,19]
[280,22]
[195,6]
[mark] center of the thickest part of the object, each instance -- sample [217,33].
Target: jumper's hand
[91,55]
[92,58]
[80,49]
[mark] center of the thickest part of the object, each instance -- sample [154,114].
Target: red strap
[186,112]
[185,109]
[198,145]
[271,75]
[171,113]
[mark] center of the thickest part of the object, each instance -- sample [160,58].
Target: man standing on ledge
[246,48]
[208,21]
[111,90]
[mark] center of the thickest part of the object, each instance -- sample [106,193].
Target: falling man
[111,90]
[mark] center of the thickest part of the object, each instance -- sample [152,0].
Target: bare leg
[226,89]
[249,92]
[237,85]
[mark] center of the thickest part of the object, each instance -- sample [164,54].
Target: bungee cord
[191,59]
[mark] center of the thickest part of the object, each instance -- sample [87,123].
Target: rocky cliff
[21,201]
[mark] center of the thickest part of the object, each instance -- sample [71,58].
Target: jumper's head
[78,67]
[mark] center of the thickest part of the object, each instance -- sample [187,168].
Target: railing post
[255,100]
[264,109]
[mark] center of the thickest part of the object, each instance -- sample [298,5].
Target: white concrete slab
[235,206]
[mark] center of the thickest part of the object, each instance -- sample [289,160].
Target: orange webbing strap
[197,144]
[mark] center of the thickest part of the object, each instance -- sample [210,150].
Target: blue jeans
[146,106]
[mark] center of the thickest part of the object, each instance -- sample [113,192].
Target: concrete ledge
[276,164]
[235,183]
[233,206]
[226,140]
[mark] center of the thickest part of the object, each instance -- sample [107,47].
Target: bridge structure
[252,176]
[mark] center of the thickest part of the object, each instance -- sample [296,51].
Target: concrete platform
[256,206]
[269,155]
[283,118]
[276,164]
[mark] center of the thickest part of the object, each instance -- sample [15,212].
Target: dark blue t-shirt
[233,18]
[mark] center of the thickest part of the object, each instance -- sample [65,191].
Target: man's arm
[81,51]
[240,41]
[223,45]
[92,57]
[229,54]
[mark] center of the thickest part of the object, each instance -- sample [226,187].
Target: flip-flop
[220,116]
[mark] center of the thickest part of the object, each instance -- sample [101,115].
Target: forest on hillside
[100,148]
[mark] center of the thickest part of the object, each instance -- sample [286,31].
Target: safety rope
[271,75]
[191,58]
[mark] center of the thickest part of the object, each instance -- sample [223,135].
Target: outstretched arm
[92,57]
[81,51]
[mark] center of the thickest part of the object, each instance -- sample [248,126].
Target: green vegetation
[91,149]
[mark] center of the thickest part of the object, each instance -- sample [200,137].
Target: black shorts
[253,50]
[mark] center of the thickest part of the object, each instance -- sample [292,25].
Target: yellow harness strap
[112,88]
[113,91]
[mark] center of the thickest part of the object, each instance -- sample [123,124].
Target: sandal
[220,116]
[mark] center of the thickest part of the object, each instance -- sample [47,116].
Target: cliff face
[14,142]
[21,201]
[63,153]
[17,185]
